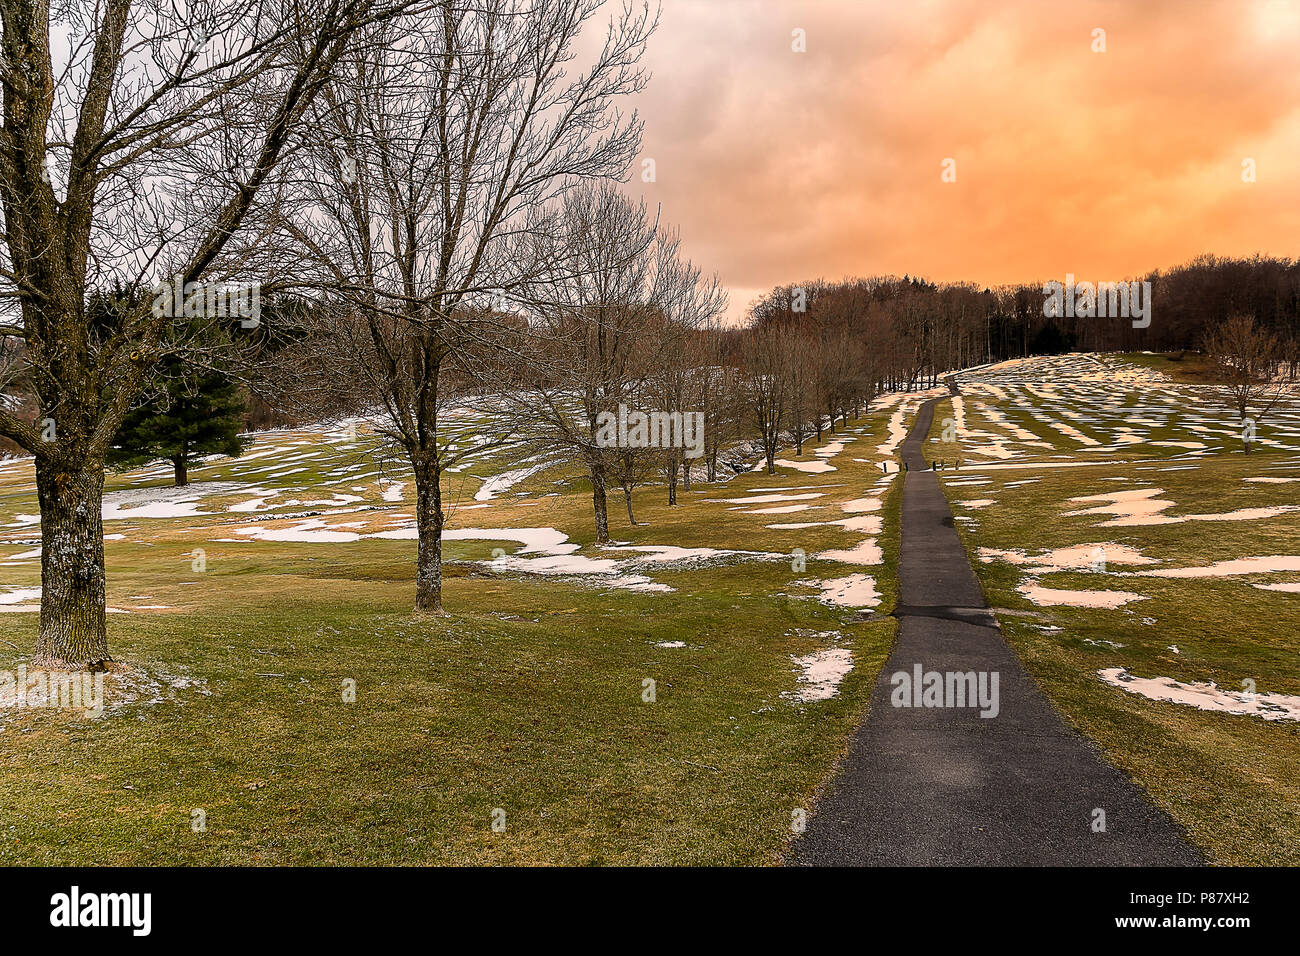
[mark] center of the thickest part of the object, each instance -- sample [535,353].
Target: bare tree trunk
[428,523]
[72,633]
[182,472]
[672,480]
[627,500]
[600,505]
[686,476]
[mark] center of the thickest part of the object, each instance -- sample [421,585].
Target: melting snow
[818,467]
[503,482]
[867,552]
[164,502]
[1053,597]
[860,505]
[854,590]
[822,672]
[765,499]
[1205,696]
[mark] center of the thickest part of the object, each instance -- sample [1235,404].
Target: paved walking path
[935,786]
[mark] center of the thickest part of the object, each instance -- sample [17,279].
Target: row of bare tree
[919,329]
[424,194]
[424,190]
[405,164]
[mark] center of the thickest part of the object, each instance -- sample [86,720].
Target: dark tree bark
[600,505]
[428,521]
[72,633]
[627,500]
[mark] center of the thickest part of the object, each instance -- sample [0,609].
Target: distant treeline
[915,329]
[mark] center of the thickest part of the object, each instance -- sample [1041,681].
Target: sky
[780,166]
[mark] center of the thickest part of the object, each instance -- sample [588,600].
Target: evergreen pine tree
[189,413]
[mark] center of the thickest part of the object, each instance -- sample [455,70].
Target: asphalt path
[943,785]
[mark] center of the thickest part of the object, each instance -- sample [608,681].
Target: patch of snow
[498,484]
[312,530]
[858,505]
[1054,597]
[1263,564]
[766,499]
[868,524]
[818,467]
[19,595]
[854,590]
[171,502]
[1139,506]
[822,673]
[867,552]
[1205,696]
[1076,557]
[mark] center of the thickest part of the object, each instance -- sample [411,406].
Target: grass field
[525,704]
[1192,368]
[1231,779]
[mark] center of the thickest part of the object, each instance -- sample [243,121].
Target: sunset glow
[780,166]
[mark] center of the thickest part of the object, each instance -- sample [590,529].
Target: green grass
[1193,368]
[526,696]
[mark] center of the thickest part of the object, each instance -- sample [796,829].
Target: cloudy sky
[781,166]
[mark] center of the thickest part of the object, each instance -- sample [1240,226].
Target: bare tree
[800,354]
[603,318]
[722,401]
[441,146]
[1250,363]
[136,138]
[766,388]
[689,302]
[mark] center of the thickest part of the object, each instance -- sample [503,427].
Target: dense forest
[914,329]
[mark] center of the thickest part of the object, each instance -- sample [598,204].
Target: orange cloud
[780,166]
